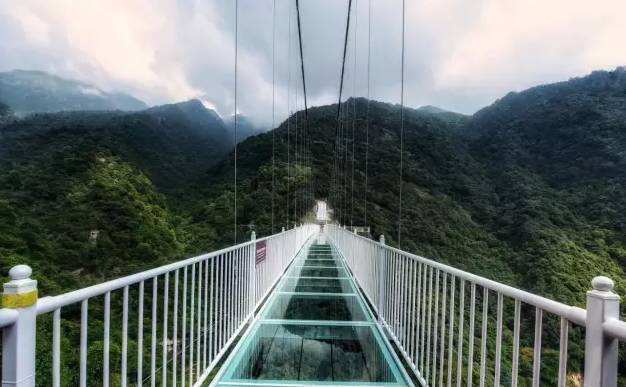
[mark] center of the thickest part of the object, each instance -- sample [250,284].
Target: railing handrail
[223,287]
[371,261]
[573,313]
[50,303]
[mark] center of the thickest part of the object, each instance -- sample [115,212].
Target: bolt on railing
[423,306]
[214,296]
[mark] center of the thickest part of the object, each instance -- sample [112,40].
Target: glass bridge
[315,329]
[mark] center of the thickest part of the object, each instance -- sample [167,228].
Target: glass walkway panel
[315,329]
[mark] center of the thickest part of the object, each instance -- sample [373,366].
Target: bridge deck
[316,329]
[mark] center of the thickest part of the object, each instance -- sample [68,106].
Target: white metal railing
[181,317]
[424,304]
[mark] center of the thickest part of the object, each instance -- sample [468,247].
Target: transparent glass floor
[314,330]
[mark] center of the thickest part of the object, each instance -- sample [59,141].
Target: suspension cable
[236,118]
[273,108]
[401,127]
[367,124]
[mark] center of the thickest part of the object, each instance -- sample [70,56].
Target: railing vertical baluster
[433,365]
[537,347]
[219,302]
[252,266]
[516,334]
[382,276]
[470,344]
[404,300]
[212,309]
[223,301]
[226,295]
[56,348]
[451,328]
[153,339]
[198,321]
[496,377]
[563,343]
[183,324]
[411,307]
[238,283]
[231,295]
[192,294]
[415,314]
[106,342]
[417,340]
[429,334]
[423,318]
[140,335]
[166,300]
[420,318]
[442,347]
[206,313]
[84,307]
[394,293]
[483,338]
[459,354]
[175,330]
[124,369]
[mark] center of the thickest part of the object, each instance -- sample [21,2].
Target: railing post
[253,270]
[18,339]
[382,274]
[601,351]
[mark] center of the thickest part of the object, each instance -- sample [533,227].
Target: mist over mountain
[39,92]
[245,127]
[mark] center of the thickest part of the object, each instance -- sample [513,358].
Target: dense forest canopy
[530,191]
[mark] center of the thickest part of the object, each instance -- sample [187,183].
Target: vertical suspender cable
[401,128]
[236,118]
[273,108]
[306,108]
[343,67]
[367,124]
[295,156]
[289,120]
[356,27]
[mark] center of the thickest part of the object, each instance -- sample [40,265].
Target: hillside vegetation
[530,191]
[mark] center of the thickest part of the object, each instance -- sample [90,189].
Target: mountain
[245,127]
[5,113]
[446,115]
[29,92]
[530,191]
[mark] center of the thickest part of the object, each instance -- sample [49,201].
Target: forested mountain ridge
[527,191]
[530,191]
[84,195]
[29,92]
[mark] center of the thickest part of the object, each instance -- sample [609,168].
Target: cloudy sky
[460,54]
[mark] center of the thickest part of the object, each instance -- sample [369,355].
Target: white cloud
[460,55]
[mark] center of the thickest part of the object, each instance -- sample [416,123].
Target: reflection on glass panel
[300,271]
[313,353]
[317,285]
[318,262]
[316,307]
